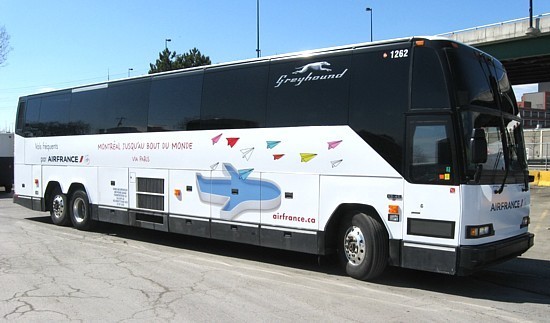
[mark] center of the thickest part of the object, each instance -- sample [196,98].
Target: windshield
[486,101]
[504,147]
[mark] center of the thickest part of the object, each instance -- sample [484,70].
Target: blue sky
[63,43]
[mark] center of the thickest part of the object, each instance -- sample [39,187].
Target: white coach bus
[405,153]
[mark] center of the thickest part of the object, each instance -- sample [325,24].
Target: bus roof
[304,53]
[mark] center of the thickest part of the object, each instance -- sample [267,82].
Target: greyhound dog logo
[312,72]
[317,66]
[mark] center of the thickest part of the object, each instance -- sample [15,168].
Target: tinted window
[88,110]
[234,97]
[33,111]
[429,89]
[127,107]
[54,115]
[20,122]
[379,99]
[309,91]
[471,74]
[430,153]
[175,102]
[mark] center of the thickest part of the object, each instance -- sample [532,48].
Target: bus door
[431,196]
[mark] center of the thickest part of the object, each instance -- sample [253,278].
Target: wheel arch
[340,213]
[52,185]
[75,187]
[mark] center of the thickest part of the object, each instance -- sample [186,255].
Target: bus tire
[80,211]
[59,208]
[363,246]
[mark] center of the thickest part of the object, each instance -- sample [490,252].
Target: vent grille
[150,193]
[151,202]
[150,185]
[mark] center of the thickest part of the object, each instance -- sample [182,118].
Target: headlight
[479,231]
[525,222]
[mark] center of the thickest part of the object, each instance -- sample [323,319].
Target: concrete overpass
[524,51]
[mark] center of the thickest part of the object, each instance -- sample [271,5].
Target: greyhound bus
[406,153]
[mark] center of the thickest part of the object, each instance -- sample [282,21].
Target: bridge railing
[514,21]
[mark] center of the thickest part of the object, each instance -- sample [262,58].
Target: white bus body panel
[112,184]
[299,202]
[371,191]
[66,175]
[505,211]
[188,202]
[437,204]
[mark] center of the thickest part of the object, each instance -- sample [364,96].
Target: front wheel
[363,246]
[80,211]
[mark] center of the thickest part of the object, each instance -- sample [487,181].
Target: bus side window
[175,102]
[32,115]
[127,107]
[20,121]
[54,115]
[309,91]
[430,154]
[235,97]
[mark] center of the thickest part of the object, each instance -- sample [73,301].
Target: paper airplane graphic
[272,144]
[278,156]
[214,166]
[252,193]
[232,141]
[247,152]
[216,139]
[336,163]
[244,173]
[333,144]
[305,157]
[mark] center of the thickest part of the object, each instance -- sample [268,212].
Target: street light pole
[258,51]
[130,69]
[166,42]
[370,10]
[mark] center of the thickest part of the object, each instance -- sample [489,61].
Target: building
[535,108]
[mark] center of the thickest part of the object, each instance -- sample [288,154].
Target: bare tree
[4,45]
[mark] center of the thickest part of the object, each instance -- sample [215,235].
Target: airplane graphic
[214,166]
[232,141]
[333,144]
[305,157]
[278,156]
[237,192]
[336,163]
[216,139]
[244,173]
[272,144]
[247,153]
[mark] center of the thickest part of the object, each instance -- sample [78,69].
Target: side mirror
[478,146]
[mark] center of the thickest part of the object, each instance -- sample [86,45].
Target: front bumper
[473,258]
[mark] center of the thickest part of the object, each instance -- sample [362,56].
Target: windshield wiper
[503,137]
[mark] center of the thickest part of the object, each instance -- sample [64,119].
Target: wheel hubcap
[79,210]
[58,206]
[354,245]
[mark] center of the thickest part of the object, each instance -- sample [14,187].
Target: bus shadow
[521,280]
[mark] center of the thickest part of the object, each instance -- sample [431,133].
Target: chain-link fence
[537,144]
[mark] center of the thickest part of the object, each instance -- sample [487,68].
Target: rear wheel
[80,211]
[58,207]
[363,246]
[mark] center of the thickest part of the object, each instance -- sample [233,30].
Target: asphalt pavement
[117,273]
